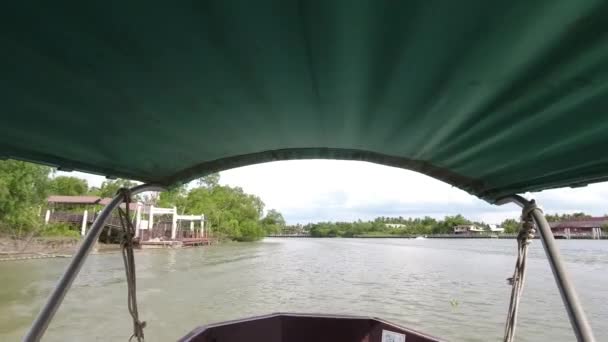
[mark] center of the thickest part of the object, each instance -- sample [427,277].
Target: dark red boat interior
[302,327]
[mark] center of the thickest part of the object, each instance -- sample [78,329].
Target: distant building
[495,229]
[292,230]
[394,225]
[582,227]
[468,229]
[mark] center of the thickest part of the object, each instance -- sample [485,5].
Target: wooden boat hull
[283,327]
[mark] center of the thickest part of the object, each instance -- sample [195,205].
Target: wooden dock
[204,241]
[185,242]
[30,256]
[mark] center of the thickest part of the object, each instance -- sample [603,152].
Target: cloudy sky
[326,190]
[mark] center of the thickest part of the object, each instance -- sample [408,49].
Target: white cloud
[318,190]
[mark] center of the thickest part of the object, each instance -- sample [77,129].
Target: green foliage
[173,197]
[68,186]
[230,212]
[210,181]
[511,226]
[250,230]
[59,230]
[565,217]
[399,226]
[384,226]
[273,222]
[109,188]
[23,189]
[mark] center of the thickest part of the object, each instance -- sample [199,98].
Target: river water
[454,289]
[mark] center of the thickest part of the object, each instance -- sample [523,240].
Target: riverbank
[44,247]
[472,236]
[478,236]
[436,236]
[58,247]
[37,245]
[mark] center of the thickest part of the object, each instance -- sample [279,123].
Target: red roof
[74,199]
[584,222]
[86,200]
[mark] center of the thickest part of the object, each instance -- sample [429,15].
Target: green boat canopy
[493,97]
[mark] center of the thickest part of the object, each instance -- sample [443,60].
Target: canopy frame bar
[65,282]
[576,314]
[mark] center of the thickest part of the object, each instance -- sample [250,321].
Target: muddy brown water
[454,289]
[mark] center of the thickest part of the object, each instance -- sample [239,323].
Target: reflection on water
[454,289]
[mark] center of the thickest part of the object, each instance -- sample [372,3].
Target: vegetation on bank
[400,226]
[59,230]
[231,213]
[23,188]
[388,226]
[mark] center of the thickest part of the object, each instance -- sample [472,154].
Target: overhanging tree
[273,222]
[23,189]
[68,186]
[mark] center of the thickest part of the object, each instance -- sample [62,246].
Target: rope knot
[128,234]
[138,330]
[528,209]
[526,233]
[524,238]
[126,194]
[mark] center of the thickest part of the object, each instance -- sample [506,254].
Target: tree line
[387,226]
[400,226]
[230,212]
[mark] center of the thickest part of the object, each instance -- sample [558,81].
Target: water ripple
[455,289]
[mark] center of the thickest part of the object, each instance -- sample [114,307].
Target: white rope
[524,238]
[129,261]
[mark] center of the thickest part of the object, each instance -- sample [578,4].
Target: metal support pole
[578,319]
[54,301]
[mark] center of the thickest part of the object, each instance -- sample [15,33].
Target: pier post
[137,219]
[151,219]
[203,226]
[174,224]
[47,216]
[83,227]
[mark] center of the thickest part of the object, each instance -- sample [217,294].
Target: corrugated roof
[587,222]
[85,200]
[74,199]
